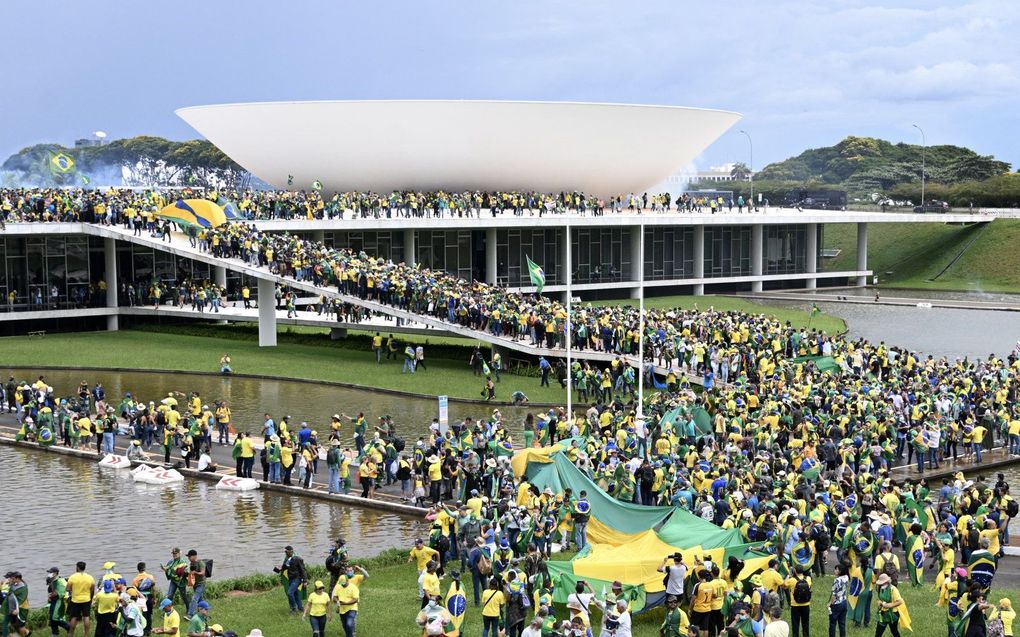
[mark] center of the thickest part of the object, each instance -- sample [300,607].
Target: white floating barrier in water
[231,483]
[115,462]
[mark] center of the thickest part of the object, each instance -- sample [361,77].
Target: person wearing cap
[346,594]
[171,619]
[196,581]
[176,571]
[56,588]
[133,621]
[317,609]
[892,610]
[675,574]
[81,588]
[198,625]
[1007,615]
[293,568]
[106,606]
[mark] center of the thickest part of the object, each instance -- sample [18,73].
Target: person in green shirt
[176,571]
[198,626]
[56,589]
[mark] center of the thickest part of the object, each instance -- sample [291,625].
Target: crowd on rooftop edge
[114,205]
[798,459]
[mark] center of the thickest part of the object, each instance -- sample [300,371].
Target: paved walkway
[852,299]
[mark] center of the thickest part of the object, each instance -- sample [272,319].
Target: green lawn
[299,356]
[799,318]
[389,605]
[913,255]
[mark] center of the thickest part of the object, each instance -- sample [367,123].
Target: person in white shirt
[133,622]
[578,602]
[534,629]
[776,627]
[205,463]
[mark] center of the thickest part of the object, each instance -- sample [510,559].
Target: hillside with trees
[865,166]
[137,161]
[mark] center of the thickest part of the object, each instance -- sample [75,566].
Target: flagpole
[569,330]
[641,323]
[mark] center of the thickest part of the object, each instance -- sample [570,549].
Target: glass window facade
[513,246]
[669,253]
[785,249]
[601,255]
[385,244]
[448,250]
[727,251]
[32,266]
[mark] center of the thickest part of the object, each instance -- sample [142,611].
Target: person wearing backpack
[480,565]
[823,542]
[799,585]
[888,563]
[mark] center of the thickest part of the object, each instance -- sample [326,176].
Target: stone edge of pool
[92,456]
[328,383]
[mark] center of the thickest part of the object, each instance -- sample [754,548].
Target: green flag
[85,180]
[815,311]
[290,180]
[537,275]
[316,185]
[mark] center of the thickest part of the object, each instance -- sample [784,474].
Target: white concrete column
[267,313]
[410,258]
[491,263]
[811,282]
[699,259]
[756,256]
[319,235]
[219,276]
[565,258]
[637,256]
[862,252]
[112,283]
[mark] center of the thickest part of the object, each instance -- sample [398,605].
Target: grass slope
[799,318]
[389,606]
[910,255]
[312,358]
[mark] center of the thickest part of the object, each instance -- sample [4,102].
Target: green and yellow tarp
[194,212]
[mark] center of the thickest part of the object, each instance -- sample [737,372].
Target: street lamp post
[924,144]
[750,167]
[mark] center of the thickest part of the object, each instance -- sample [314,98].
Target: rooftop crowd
[112,205]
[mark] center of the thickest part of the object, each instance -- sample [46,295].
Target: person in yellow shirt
[106,603]
[429,583]
[702,597]
[346,594]
[992,533]
[1007,615]
[493,601]
[800,608]
[422,555]
[247,455]
[171,620]
[81,588]
[317,609]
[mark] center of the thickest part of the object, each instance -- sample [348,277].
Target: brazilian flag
[290,180]
[316,185]
[803,555]
[456,605]
[810,468]
[85,181]
[858,594]
[982,568]
[915,558]
[536,273]
[501,449]
[61,164]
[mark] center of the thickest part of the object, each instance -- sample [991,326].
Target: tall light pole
[923,145]
[750,167]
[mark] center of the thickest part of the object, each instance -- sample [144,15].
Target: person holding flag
[914,553]
[456,604]
[537,275]
[892,610]
[859,593]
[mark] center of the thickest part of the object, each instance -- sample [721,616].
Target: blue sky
[803,73]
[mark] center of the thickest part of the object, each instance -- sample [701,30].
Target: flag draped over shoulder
[915,558]
[456,605]
[858,594]
[536,273]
